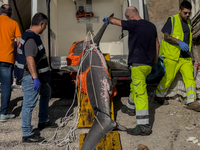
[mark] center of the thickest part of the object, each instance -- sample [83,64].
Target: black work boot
[129,111]
[47,124]
[140,130]
[161,100]
[32,138]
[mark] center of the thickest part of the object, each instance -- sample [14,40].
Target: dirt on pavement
[168,122]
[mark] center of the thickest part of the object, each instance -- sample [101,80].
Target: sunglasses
[187,13]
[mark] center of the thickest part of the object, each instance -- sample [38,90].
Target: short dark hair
[185,4]
[38,18]
[7,11]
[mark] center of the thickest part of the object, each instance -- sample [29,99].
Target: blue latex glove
[105,20]
[154,69]
[37,84]
[183,46]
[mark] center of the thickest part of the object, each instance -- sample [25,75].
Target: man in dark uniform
[31,67]
[143,52]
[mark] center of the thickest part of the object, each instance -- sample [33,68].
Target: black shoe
[46,125]
[36,131]
[140,130]
[32,138]
[129,111]
[161,100]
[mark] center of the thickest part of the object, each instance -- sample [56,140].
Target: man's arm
[182,44]
[32,66]
[170,39]
[114,21]
[17,38]
[157,51]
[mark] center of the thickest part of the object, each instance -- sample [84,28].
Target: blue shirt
[167,29]
[141,41]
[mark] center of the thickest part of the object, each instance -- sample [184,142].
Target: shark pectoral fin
[120,127]
[116,65]
[70,68]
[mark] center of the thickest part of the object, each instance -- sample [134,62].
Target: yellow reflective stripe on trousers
[43,70]
[190,89]
[160,91]
[142,112]
[189,101]
[161,95]
[162,88]
[143,121]
[142,116]
[191,96]
[130,102]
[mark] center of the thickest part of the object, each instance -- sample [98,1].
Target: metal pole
[49,30]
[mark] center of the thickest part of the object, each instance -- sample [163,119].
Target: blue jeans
[29,102]
[6,81]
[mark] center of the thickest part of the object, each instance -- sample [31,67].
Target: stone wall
[3,2]
[196,46]
[160,10]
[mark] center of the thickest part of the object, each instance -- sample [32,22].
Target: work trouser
[171,68]
[138,98]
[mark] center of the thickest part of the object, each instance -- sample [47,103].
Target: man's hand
[183,46]
[37,84]
[105,20]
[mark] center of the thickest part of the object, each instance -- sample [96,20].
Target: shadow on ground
[13,103]
[124,91]
[60,107]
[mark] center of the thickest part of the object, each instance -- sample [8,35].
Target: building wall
[1,2]
[196,37]
[160,10]
[4,2]
[196,7]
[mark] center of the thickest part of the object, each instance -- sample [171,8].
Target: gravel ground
[169,126]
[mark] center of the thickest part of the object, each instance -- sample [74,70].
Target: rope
[92,47]
[99,110]
[98,122]
[97,66]
[71,137]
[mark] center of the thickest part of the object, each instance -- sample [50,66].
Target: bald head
[132,13]
[6,10]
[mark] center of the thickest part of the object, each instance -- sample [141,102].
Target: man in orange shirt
[9,30]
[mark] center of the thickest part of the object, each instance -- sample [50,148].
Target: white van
[69,21]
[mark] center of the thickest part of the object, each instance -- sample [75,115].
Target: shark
[92,69]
